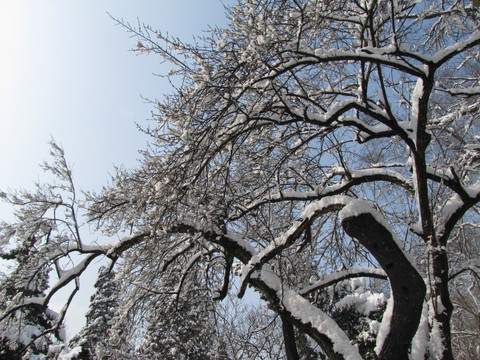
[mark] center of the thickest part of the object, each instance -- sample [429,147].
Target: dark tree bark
[408,287]
[289,339]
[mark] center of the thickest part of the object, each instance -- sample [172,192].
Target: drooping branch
[112,250]
[305,316]
[223,292]
[309,214]
[61,316]
[453,211]
[288,302]
[339,276]
[384,56]
[446,54]
[350,180]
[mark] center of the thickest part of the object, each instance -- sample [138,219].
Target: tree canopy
[323,153]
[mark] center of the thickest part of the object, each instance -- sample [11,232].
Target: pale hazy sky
[66,72]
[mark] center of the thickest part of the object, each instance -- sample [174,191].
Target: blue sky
[66,72]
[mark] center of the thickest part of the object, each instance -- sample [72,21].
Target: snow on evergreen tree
[93,338]
[180,328]
[29,331]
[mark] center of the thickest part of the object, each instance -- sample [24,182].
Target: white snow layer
[384,326]
[307,313]
[420,340]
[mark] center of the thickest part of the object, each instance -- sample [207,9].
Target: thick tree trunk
[442,303]
[289,339]
[408,287]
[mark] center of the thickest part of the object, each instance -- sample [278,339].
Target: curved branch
[366,55]
[453,211]
[60,319]
[178,253]
[64,280]
[309,214]
[112,251]
[222,293]
[408,287]
[451,51]
[339,276]
[356,177]
[298,310]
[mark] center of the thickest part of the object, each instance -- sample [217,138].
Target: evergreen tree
[181,327]
[93,338]
[307,350]
[20,332]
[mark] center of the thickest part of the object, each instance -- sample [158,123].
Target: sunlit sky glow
[66,72]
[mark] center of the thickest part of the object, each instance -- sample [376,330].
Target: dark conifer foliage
[94,337]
